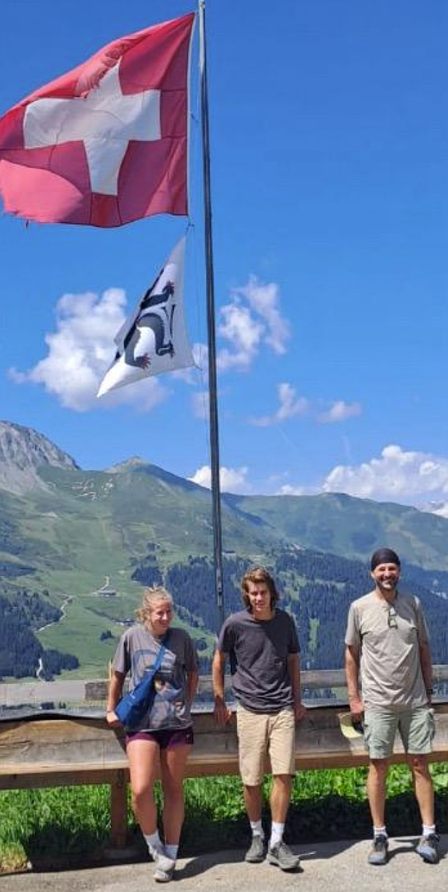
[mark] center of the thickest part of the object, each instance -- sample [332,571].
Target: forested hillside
[77,546]
[317,588]
[21,653]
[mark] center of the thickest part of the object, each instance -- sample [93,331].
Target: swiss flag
[106,143]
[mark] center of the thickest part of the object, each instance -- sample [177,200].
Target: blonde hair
[151,597]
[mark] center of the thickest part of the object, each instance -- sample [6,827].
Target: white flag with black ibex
[154,338]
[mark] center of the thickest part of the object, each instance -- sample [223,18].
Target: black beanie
[384,556]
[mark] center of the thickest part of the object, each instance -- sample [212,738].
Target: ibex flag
[106,143]
[154,338]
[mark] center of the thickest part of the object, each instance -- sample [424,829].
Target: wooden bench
[51,751]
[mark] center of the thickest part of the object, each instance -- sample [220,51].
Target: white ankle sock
[257,828]
[153,842]
[428,829]
[277,831]
[380,831]
[171,851]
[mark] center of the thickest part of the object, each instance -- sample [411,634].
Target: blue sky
[329,182]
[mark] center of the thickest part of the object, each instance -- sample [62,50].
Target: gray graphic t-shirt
[137,650]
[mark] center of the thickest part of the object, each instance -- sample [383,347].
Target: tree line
[321,602]
[21,652]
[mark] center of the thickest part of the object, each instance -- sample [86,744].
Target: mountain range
[82,543]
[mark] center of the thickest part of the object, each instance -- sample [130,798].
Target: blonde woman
[165,735]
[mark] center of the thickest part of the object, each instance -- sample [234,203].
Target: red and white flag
[106,143]
[154,338]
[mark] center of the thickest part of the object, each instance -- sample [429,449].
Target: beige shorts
[415,726]
[262,736]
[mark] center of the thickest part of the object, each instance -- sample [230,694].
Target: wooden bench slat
[74,751]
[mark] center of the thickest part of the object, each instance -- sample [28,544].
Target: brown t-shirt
[391,674]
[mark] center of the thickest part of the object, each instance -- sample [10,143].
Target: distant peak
[135,462]
[22,452]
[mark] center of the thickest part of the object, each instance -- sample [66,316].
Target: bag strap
[158,661]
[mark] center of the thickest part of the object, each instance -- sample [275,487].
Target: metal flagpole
[212,382]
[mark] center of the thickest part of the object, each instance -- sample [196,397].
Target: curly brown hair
[256,575]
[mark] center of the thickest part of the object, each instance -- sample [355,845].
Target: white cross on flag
[106,143]
[154,338]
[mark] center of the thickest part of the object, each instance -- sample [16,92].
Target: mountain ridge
[332,522]
[22,451]
[83,543]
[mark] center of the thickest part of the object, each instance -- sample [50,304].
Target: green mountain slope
[344,525]
[87,542]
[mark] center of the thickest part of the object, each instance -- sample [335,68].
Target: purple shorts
[167,738]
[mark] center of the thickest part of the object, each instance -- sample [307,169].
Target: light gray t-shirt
[137,650]
[391,674]
[259,652]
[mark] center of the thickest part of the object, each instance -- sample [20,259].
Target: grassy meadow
[68,826]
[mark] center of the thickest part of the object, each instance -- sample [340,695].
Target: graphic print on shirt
[168,702]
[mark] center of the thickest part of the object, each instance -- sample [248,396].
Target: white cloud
[288,490]
[397,475]
[251,319]
[340,411]
[265,299]
[244,333]
[442,510]
[290,405]
[231,479]
[414,478]
[80,352]
[439,508]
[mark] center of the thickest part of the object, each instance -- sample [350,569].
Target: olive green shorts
[415,727]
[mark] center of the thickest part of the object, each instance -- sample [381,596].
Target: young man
[387,640]
[263,647]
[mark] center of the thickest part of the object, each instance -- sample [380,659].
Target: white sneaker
[164,868]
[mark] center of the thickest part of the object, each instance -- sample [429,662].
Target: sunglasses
[392,618]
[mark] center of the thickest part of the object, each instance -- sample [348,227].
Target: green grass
[68,821]
[72,825]
[79,634]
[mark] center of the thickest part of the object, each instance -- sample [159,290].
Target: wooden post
[119,810]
